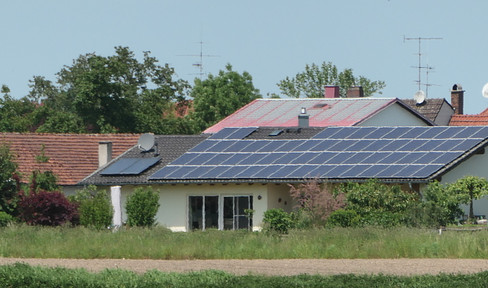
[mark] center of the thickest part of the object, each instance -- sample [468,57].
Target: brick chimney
[457,99]
[355,92]
[303,118]
[331,92]
[104,152]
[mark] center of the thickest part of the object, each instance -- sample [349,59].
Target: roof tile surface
[71,157]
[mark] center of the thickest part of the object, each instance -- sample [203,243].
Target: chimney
[104,152]
[355,92]
[331,92]
[457,99]
[303,118]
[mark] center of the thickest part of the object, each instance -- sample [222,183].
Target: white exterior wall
[476,165]
[394,115]
[173,200]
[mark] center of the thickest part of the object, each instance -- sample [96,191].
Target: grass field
[158,243]
[21,275]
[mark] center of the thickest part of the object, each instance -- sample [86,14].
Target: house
[213,184]
[324,112]
[71,157]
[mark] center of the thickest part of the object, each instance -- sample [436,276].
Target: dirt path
[275,267]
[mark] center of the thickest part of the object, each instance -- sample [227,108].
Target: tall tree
[15,114]
[8,185]
[311,82]
[219,96]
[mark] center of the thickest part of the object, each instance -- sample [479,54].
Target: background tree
[311,82]
[219,96]
[473,188]
[15,114]
[109,94]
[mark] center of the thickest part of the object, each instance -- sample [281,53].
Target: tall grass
[159,243]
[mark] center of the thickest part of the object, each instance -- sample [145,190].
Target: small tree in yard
[142,207]
[473,188]
[316,200]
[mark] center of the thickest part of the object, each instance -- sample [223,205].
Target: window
[219,212]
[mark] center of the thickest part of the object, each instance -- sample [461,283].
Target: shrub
[46,208]
[5,219]
[142,207]
[343,218]
[96,211]
[278,220]
[316,200]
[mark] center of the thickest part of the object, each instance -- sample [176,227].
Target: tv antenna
[420,67]
[199,64]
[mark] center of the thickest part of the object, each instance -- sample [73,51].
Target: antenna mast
[420,67]
[199,64]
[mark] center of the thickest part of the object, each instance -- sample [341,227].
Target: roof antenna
[420,67]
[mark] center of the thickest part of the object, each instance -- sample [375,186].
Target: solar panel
[267,171]
[355,171]
[360,133]
[335,152]
[234,159]
[284,171]
[255,145]
[241,133]
[238,146]
[215,172]
[397,133]
[164,172]
[269,158]
[220,146]
[203,146]
[130,166]
[218,159]
[224,133]
[324,145]
[249,171]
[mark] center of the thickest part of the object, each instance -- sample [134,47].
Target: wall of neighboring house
[394,115]
[174,207]
[473,166]
[444,116]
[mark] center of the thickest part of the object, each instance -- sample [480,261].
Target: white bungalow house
[209,182]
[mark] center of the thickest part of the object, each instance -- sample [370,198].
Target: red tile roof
[470,120]
[71,157]
[323,112]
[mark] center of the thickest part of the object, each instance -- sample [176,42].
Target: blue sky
[269,39]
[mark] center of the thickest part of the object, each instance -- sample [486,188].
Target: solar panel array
[130,166]
[333,153]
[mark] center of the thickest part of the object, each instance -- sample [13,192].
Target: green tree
[219,96]
[94,207]
[311,82]
[108,94]
[8,185]
[15,114]
[472,188]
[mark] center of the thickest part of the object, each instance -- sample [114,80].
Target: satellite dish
[484,92]
[419,97]
[146,142]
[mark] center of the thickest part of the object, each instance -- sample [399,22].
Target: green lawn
[158,243]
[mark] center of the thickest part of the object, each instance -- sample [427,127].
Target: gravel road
[274,267]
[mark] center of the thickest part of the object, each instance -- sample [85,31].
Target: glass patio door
[203,212]
[234,212]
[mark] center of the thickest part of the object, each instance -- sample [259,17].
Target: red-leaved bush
[46,208]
